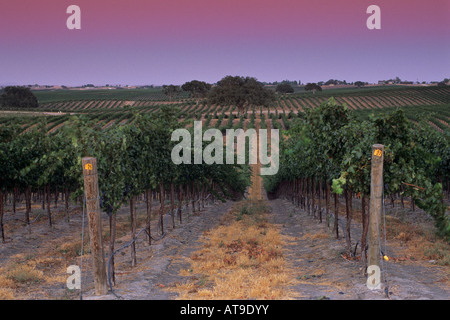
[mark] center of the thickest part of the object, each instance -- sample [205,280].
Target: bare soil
[318,265]
[326,271]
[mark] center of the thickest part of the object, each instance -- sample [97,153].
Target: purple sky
[174,41]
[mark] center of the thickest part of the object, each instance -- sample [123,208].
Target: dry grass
[72,249]
[22,276]
[410,242]
[7,286]
[241,259]
[16,276]
[315,236]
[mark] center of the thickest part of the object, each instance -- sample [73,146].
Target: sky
[143,42]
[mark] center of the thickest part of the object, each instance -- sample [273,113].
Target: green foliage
[312,87]
[338,184]
[284,87]
[329,144]
[131,158]
[19,97]
[197,89]
[241,92]
[171,91]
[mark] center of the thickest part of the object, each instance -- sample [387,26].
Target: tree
[444,82]
[21,97]
[313,87]
[171,91]
[241,92]
[197,89]
[284,88]
[359,84]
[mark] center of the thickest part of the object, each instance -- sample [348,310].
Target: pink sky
[173,41]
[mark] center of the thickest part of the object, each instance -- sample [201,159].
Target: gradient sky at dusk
[174,41]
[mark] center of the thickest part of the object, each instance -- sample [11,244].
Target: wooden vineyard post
[376,192]
[95,226]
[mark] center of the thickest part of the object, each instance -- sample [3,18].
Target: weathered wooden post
[376,199]
[95,225]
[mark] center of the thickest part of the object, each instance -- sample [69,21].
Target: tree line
[243,92]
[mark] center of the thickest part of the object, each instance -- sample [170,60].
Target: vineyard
[324,159]
[107,108]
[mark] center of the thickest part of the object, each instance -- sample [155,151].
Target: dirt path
[323,272]
[315,265]
[317,269]
[162,262]
[38,260]
[255,191]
